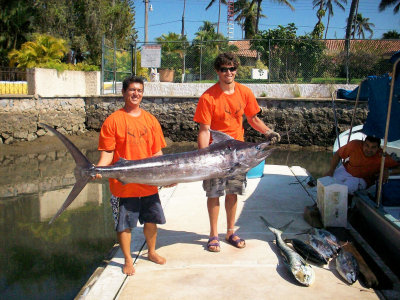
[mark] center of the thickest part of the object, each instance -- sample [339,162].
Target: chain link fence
[271,61]
[116,64]
[261,61]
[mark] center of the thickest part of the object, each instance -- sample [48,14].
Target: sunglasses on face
[225,69]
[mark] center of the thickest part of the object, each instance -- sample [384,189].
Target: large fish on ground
[321,246]
[347,266]
[302,271]
[307,252]
[225,157]
[330,238]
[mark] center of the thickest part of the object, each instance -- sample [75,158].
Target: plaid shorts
[128,211]
[217,187]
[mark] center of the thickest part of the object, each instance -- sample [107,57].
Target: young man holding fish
[221,108]
[132,133]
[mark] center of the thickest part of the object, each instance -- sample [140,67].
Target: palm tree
[219,10]
[386,3]
[319,27]
[285,2]
[44,49]
[353,6]
[329,9]
[361,25]
[391,35]
[246,12]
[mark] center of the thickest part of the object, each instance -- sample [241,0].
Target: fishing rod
[380,182]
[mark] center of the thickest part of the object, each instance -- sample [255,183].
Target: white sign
[259,74]
[151,56]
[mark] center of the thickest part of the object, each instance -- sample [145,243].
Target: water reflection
[41,261]
[49,261]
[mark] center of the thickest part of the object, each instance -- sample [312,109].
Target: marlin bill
[225,157]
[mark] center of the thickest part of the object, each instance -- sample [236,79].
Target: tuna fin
[82,163]
[219,136]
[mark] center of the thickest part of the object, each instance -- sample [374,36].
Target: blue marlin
[225,157]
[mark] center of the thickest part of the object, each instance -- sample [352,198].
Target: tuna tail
[276,230]
[82,163]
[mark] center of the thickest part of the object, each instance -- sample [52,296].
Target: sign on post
[151,56]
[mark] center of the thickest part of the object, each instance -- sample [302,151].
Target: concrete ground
[255,272]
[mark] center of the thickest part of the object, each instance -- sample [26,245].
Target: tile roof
[387,47]
[244,48]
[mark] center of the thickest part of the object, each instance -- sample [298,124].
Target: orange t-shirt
[131,138]
[225,112]
[358,165]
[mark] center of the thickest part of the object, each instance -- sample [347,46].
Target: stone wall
[308,122]
[20,116]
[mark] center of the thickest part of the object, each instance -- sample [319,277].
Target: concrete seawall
[308,121]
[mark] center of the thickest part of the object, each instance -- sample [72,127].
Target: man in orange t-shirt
[132,133]
[221,108]
[361,164]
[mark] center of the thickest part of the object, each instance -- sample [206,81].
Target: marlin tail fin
[82,163]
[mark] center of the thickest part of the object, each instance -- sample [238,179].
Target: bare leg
[213,211]
[230,208]
[150,233]
[124,239]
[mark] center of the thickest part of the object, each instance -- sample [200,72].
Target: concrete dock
[255,272]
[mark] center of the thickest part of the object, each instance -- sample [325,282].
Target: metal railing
[13,81]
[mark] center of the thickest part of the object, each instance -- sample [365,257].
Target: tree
[206,46]
[350,19]
[288,56]
[319,27]
[42,50]
[173,49]
[386,3]
[16,25]
[285,2]
[391,35]
[83,23]
[361,25]
[246,12]
[329,9]
[219,10]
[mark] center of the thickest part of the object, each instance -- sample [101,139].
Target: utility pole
[146,20]
[183,19]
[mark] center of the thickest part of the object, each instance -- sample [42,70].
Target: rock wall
[20,116]
[305,122]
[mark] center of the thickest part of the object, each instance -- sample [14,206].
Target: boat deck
[256,272]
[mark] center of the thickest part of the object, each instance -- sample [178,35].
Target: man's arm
[334,162]
[260,126]
[203,138]
[105,159]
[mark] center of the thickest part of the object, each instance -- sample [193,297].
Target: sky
[166,16]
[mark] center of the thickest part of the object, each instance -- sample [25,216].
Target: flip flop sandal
[236,242]
[213,242]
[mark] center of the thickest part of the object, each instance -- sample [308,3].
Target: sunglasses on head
[225,69]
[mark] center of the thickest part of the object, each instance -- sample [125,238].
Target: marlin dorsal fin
[219,136]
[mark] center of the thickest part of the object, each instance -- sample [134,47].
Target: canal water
[41,261]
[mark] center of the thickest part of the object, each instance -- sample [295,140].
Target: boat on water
[375,212]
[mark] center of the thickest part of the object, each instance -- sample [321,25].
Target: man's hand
[272,136]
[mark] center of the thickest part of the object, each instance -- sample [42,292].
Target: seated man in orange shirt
[361,164]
